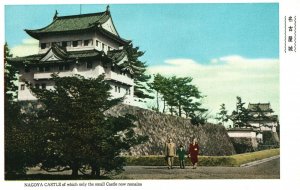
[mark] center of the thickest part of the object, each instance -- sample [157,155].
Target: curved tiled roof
[77,23]
[67,56]
[262,106]
[116,55]
[72,23]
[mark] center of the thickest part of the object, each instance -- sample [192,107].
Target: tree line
[178,95]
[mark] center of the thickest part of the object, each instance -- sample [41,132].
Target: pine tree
[241,116]
[137,68]
[17,137]
[222,115]
[10,76]
[179,94]
[159,84]
[77,130]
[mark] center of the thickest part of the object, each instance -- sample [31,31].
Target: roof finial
[55,15]
[107,9]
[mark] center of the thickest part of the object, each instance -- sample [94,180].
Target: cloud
[224,78]
[28,47]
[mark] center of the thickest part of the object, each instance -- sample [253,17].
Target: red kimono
[194,151]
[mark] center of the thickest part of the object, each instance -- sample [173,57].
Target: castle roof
[262,106]
[62,55]
[77,23]
[116,55]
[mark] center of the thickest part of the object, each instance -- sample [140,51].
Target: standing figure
[181,156]
[170,152]
[193,153]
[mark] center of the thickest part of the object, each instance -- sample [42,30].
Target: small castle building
[263,117]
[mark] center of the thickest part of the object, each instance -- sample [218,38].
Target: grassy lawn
[253,156]
[234,160]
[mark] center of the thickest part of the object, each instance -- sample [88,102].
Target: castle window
[37,86]
[43,45]
[119,89]
[88,42]
[47,68]
[108,48]
[65,67]
[89,65]
[116,89]
[97,43]
[66,44]
[76,43]
[103,46]
[43,85]
[43,69]
[53,43]
[22,86]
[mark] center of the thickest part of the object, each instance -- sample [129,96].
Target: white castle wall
[74,37]
[119,89]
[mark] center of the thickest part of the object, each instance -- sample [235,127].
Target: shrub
[242,145]
[234,160]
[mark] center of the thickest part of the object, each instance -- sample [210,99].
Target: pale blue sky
[229,49]
[197,31]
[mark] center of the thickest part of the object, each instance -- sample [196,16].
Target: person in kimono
[193,153]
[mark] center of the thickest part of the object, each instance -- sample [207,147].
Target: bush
[242,145]
[234,160]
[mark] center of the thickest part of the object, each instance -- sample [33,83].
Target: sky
[228,49]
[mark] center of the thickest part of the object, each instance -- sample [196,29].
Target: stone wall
[213,139]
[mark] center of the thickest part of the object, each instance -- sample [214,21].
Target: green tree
[10,76]
[182,94]
[17,137]
[77,130]
[241,116]
[159,84]
[179,94]
[137,68]
[222,115]
[13,151]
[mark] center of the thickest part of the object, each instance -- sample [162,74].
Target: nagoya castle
[85,44]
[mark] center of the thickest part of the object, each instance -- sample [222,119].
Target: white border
[289,108]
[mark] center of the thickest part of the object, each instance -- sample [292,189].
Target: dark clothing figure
[193,152]
[181,156]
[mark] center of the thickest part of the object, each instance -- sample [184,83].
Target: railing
[47,75]
[108,76]
[119,77]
